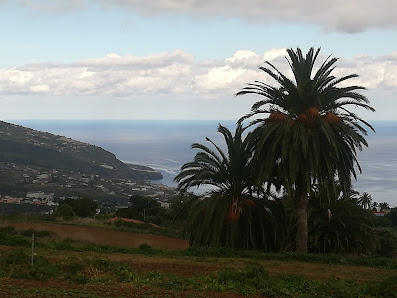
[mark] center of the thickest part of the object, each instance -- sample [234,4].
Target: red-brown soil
[103,236]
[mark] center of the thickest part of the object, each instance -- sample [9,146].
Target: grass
[44,239]
[245,273]
[254,279]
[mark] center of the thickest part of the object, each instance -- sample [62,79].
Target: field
[122,264]
[103,236]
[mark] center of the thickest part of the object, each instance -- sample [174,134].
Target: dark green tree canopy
[307,135]
[83,207]
[237,212]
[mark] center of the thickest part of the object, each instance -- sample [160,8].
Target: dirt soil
[103,236]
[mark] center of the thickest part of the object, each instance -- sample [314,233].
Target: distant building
[40,198]
[165,205]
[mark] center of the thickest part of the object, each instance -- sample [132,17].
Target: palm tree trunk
[301,215]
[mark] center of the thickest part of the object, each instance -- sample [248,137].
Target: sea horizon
[164,145]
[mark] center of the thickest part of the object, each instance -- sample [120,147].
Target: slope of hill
[26,146]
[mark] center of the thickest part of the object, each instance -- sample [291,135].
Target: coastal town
[40,190]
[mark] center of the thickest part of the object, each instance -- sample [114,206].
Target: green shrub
[173,281]
[17,264]
[62,245]
[43,273]
[15,257]
[388,244]
[8,230]
[71,266]
[14,240]
[80,279]
[146,249]
[41,234]
[385,288]
[117,271]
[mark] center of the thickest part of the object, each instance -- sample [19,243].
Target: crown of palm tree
[229,172]
[317,136]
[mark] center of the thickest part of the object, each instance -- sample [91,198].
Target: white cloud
[334,15]
[176,72]
[171,85]
[39,88]
[339,15]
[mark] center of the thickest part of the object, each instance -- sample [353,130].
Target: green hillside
[26,146]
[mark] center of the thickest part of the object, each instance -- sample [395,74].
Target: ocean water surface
[165,146]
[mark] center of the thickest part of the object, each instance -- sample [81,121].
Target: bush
[65,211]
[146,249]
[17,264]
[15,257]
[388,244]
[7,231]
[71,266]
[14,240]
[42,233]
[384,288]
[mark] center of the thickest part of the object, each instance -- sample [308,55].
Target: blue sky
[172,59]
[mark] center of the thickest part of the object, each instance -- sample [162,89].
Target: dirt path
[103,236]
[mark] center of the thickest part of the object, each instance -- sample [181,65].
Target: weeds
[9,236]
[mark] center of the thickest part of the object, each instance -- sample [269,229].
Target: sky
[181,59]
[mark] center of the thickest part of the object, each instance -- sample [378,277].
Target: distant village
[113,193]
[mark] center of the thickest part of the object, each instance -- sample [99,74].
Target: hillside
[27,146]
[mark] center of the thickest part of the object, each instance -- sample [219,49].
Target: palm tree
[309,136]
[338,225]
[237,212]
[229,173]
[365,200]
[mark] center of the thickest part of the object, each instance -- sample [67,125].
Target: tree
[365,200]
[146,206]
[237,212]
[65,210]
[310,137]
[83,207]
[338,225]
[384,206]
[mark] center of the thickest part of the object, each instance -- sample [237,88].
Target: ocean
[165,145]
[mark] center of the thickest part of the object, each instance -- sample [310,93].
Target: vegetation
[83,207]
[237,213]
[310,138]
[26,146]
[337,225]
[89,267]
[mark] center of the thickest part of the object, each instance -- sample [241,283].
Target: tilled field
[103,236]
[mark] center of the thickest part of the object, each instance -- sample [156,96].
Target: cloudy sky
[180,59]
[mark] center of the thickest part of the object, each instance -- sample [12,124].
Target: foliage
[310,135]
[65,211]
[393,217]
[260,226]
[337,225]
[41,234]
[143,208]
[254,280]
[83,207]
[387,243]
[129,212]
[385,288]
[365,200]
[237,212]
